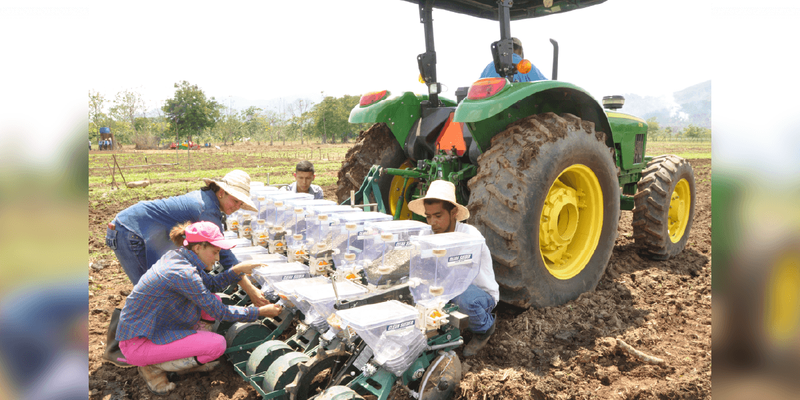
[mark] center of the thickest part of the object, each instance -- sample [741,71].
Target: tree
[301,117]
[230,128]
[97,118]
[329,118]
[189,111]
[127,105]
[254,124]
[696,132]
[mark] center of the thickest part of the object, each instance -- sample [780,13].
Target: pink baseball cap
[205,231]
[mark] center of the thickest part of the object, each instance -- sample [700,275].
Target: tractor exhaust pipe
[555,59]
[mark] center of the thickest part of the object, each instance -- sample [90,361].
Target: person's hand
[258,298]
[271,310]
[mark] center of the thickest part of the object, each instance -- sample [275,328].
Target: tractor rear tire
[546,198]
[662,215]
[376,145]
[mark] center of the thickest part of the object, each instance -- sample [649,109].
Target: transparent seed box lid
[443,266]
[267,207]
[351,226]
[318,221]
[230,235]
[323,298]
[239,252]
[316,211]
[298,208]
[387,254]
[389,329]
[286,289]
[264,258]
[279,271]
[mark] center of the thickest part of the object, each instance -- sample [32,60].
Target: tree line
[656,132]
[191,115]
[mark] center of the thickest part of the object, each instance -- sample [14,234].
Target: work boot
[112,353]
[156,379]
[478,341]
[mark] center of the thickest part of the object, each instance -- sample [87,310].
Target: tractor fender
[487,117]
[398,112]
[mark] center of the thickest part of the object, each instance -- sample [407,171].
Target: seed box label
[400,325]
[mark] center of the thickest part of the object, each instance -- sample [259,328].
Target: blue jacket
[152,220]
[533,75]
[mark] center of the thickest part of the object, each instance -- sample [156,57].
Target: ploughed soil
[660,308]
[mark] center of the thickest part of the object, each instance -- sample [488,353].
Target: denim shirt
[533,75]
[152,220]
[165,305]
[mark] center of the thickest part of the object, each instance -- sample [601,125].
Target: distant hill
[687,106]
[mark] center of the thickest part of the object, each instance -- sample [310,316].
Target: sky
[264,50]
[270,50]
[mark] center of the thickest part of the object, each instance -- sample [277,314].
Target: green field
[686,150]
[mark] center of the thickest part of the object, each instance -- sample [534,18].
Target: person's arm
[239,272]
[192,287]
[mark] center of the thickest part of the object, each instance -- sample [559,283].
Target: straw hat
[237,184]
[439,190]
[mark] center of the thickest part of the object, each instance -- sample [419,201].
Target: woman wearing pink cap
[159,327]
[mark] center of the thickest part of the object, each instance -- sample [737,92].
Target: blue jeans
[478,306]
[129,249]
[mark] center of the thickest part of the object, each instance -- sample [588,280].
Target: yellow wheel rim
[782,302]
[679,206]
[396,190]
[571,221]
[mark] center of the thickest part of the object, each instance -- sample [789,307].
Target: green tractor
[542,166]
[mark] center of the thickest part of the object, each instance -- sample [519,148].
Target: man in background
[304,175]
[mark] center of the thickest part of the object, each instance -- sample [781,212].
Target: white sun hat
[237,184]
[439,190]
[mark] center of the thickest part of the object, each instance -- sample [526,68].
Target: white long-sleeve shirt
[485,279]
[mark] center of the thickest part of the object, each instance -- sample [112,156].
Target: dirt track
[568,352]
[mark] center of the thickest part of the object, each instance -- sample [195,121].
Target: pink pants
[206,346]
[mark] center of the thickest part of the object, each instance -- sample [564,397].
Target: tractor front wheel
[376,145]
[546,198]
[664,207]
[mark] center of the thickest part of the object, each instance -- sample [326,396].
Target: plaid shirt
[165,305]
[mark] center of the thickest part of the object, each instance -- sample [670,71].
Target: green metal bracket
[379,384]
[370,186]
[626,199]
[465,174]
[626,202]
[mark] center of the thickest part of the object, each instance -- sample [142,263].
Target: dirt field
[568,352]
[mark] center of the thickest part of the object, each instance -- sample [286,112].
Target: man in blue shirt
[533,75]
[304,174]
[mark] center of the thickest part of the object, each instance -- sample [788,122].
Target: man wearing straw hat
[440,208]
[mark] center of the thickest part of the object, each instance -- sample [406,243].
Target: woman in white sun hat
[443,213]
[139,235]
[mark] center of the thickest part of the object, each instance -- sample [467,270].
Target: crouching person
[159,327]
[443,213]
